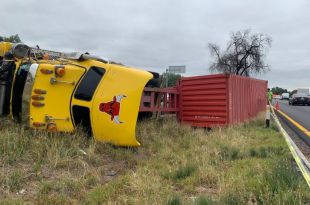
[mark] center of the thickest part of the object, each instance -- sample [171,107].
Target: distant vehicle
[299,99]
[303,91]
[276,97]
[285,96]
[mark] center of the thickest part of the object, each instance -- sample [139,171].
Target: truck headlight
[20,50]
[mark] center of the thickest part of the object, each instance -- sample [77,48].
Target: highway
[296,121]
[301,114]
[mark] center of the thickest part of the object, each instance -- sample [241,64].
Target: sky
[153,34]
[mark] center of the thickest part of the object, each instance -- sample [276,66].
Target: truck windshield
[22,92]
[89,83]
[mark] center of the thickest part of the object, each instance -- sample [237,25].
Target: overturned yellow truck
[60,92]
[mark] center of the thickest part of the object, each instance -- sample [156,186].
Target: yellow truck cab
[72,90]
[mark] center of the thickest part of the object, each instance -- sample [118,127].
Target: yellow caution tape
[300,159]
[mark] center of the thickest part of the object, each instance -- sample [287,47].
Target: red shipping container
[221,99]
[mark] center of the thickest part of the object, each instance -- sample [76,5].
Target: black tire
[144,115]
[153,83]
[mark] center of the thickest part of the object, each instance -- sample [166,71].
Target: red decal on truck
[112,108]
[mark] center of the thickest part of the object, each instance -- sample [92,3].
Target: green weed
[175,200]
[203,200]
[182,172]
[15,181]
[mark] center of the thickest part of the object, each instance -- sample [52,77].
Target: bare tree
[244,54]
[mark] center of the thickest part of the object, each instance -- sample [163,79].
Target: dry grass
[245,164]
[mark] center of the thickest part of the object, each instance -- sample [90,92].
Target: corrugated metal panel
[213,100]
[203,100]
[247,97]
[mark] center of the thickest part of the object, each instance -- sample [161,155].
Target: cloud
[155,34]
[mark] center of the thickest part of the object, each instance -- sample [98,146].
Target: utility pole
[166,78]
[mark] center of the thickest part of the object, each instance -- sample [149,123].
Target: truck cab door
[51,97]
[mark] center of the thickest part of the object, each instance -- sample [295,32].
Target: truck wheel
[144,115]
[153,83]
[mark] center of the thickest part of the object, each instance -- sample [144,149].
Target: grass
[245,164]
[181,172]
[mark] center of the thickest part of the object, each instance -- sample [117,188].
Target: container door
[115,105]
[51,96]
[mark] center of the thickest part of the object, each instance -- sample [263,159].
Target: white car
[285,96]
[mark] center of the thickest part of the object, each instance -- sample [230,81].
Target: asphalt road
[299,113]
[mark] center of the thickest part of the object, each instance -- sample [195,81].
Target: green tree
[278,90]
[13,38]
[171,78]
